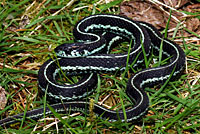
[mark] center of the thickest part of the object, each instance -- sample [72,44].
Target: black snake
[95,35]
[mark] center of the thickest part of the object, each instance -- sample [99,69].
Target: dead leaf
[175,3]
[193,8]
[3,99]
[148,12]
[192,24]
[143,11]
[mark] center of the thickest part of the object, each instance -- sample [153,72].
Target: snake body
[95,36]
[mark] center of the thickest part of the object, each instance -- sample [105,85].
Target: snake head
[71,50]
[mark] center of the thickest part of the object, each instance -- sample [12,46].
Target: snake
[90,54]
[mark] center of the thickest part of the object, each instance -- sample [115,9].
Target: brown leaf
[149,12]
[3,99]
[193,24]
[175,3]
[143,11]
[193,8]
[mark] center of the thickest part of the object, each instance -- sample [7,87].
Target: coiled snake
[95,35]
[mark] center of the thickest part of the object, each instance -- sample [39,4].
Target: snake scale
[95,35]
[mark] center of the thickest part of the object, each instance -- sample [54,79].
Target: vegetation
[29,32]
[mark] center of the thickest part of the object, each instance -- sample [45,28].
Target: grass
[30,30]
